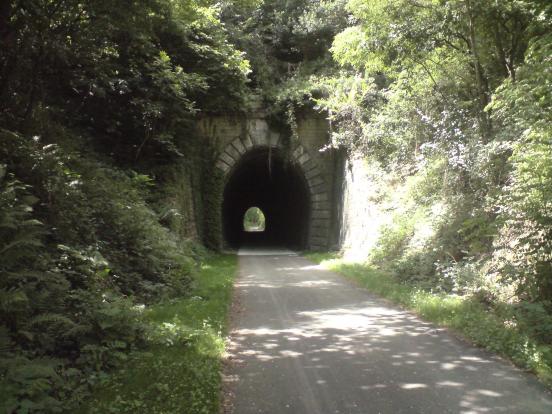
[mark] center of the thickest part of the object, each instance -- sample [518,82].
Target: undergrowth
[499,327]
[80,247]
[178,370]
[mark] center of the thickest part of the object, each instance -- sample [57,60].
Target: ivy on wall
[212,197]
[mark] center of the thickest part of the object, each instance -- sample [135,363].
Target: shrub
[79,248]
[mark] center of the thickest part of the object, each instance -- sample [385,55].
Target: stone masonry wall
[235,135]
[361,217]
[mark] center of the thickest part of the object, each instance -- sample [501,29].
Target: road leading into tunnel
[305,340]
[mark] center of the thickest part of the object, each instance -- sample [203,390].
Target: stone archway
[257,135]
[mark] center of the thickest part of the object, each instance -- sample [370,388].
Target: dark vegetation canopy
[107,193]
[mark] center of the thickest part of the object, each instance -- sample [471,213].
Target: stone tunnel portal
[267,179]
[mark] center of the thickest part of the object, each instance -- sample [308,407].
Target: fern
[51,322]
[20,233]
[70,270]
[29,384]
[12,300]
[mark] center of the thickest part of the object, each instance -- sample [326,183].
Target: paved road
[305,340]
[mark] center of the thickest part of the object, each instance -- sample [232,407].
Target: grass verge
[495,327]
[179,370]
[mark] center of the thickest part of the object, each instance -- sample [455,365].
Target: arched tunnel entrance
[265,179]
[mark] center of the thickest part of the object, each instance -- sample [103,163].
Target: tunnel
[266,179]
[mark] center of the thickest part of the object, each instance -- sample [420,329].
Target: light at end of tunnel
[254,220]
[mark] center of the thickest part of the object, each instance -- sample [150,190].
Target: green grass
[179,371]
[492,327]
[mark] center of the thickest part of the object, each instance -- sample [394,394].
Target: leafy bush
[465,130]
[79,247]
[523,248]
[94,98]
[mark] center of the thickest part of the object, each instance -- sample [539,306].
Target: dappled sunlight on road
[326,346]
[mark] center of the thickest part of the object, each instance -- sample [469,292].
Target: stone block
[303,158]
[314,172]
[258,130]
[318,214]
[319,232]
[297,152]
[239,146]
[322,196]
[227,159]
[259,140]
[317,188]
[221,165]
[233,152]
[310,166]
[274,139]
[321,242]
[316,181]
[320,222]
[248,144]
[320,205]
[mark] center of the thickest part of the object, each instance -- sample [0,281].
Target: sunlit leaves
[436,65]
[350,47]
[525,107]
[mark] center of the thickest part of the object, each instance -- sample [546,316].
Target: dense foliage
[130,74]
[449,102]
[178,369]
[98,162]
[288,45]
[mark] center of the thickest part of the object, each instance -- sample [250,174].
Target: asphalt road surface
[305,340]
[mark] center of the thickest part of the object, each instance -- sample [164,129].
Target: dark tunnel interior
[264,179]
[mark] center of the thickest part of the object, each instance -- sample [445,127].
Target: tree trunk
[481,82]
